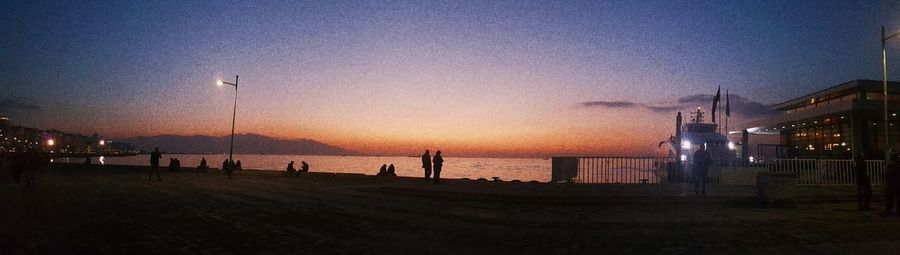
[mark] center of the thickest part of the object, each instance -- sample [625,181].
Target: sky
[486,78]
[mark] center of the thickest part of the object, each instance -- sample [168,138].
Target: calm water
[473,168]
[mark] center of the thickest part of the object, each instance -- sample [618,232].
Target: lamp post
[233,113]
[887,143]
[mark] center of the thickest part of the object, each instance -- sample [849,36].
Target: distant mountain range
[243,144]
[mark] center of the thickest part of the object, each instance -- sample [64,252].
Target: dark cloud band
[11,104]
[739,105]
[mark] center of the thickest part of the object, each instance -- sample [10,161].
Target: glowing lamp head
[50,142]
[220,83]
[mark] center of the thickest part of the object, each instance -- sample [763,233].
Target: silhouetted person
[863,184]
[290,169]
[203,165]
[154,164]
[230,168]
[24,161]
[670,172]
[391,171]
[702,160]
[176,165]
[891,184]
[438,162]
[304,168]
[17,165]
[382,171]
[238,166]
[426,164]
[36,161]
[224,165]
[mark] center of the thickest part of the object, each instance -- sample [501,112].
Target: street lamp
[233,113]
[887,143]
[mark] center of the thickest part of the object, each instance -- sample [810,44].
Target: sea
[522,169]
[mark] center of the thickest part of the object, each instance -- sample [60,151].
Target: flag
[716,103]
[727,104]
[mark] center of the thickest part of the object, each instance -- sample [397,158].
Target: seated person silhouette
[304,168]
[382,171]
[390,171]
[203,166]
[290,169]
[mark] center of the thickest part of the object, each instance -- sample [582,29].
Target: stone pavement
[116,210]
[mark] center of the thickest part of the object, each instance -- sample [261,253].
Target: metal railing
[610,169]
[827,171]
[662,170]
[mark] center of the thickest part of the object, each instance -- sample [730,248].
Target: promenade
[116,210]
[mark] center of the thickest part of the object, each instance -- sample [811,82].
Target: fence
[662,170]
[610,169]
[827,171]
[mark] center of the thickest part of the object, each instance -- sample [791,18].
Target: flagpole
[720,116]
[716,109]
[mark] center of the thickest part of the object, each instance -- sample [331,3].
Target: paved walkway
[116,210]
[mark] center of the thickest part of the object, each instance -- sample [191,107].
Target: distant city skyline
[498,78]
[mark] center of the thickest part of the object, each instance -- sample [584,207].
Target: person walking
[863,184]
[438,164]
[154,164]
[426,164]
[702,161]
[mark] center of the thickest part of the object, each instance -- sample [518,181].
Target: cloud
[626,105]
[739,105]
[11,104]
[663,108]
[610,104]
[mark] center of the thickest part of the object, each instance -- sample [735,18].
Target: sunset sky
[394,77]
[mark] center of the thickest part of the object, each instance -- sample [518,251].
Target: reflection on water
[524,169]
[102,160]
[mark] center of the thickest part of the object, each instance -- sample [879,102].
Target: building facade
[835,123]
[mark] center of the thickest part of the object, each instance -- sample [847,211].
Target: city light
[50,142]
[730,145]
[102,142]
[751,159]
[683,157]
[686,144]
